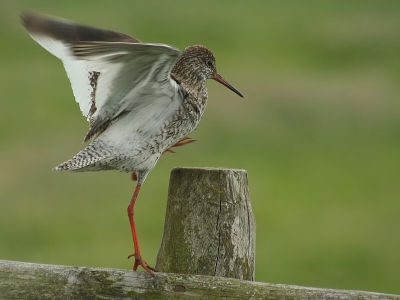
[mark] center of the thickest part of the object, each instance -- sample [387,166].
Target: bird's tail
[93,158]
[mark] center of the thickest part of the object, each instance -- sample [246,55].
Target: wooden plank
[20,280]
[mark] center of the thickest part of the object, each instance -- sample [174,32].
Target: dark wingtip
[31,19]
[24,18]
[68,31]
[35,22]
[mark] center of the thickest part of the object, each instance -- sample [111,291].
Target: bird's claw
[140,262]
[186,140]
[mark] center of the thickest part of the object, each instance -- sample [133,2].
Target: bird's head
[202,63]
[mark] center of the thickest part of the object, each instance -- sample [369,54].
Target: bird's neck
[186,71]
[191,82]
[188,76]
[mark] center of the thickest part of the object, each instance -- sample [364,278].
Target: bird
[140,99]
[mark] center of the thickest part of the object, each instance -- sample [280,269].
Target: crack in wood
[217,226]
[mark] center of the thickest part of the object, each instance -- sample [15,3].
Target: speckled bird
[140,99]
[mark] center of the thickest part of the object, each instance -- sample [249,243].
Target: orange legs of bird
[138,257]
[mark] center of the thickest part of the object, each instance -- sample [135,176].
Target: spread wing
[111,73]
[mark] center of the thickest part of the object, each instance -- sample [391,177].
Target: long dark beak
[221,80]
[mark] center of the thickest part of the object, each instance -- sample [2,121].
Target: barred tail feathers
[93,158]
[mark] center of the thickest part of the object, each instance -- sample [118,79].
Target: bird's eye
[209,63]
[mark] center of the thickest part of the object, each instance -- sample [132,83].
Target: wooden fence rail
[19,280]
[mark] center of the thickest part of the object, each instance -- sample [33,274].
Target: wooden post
[209,225]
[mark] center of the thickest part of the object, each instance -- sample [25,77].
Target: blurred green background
[318,132]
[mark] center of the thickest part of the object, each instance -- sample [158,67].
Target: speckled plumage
[139,98]
[107,153]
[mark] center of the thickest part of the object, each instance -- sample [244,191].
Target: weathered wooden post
[209,224]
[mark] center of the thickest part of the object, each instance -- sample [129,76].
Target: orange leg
[138,257]
[186,140]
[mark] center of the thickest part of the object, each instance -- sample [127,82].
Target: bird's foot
[140,262]
[186,140]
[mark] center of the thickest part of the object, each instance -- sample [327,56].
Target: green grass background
[318,132]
